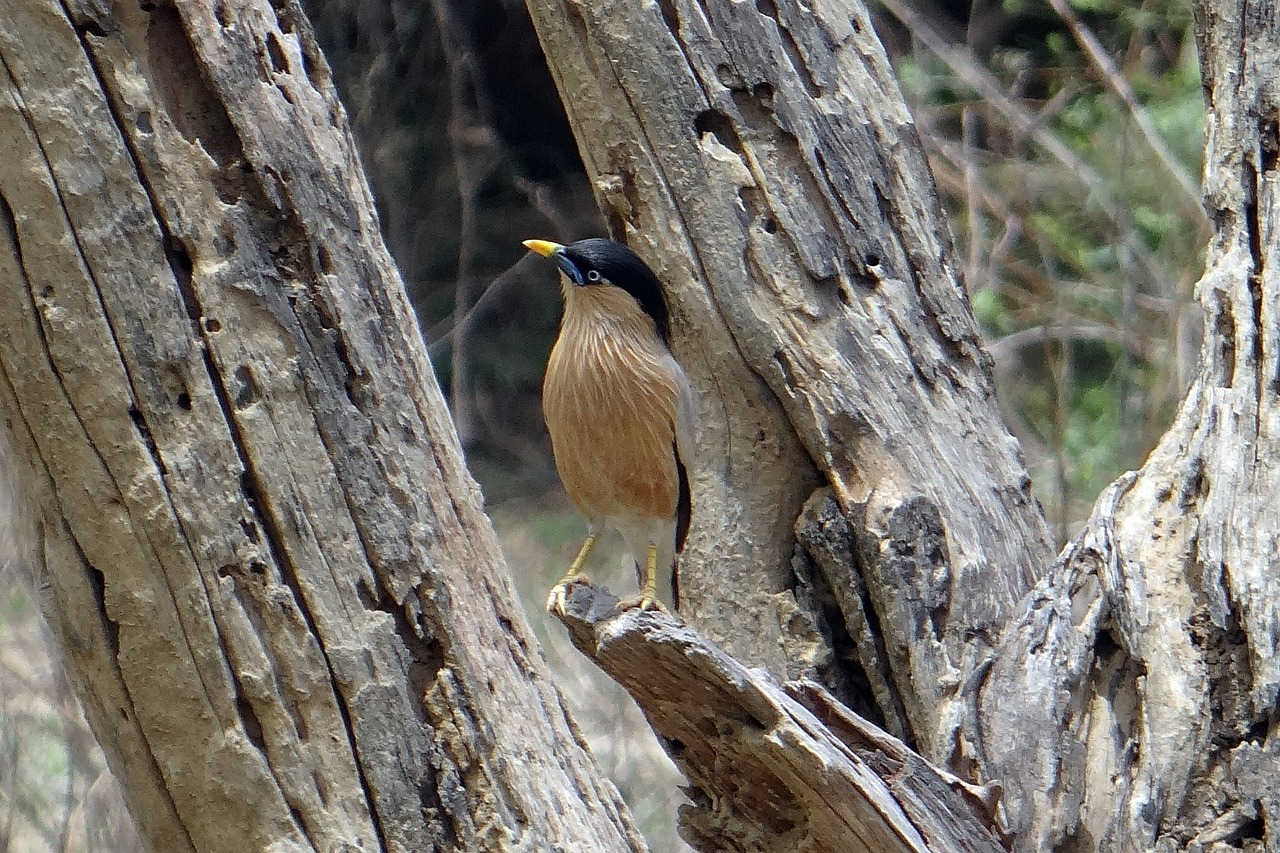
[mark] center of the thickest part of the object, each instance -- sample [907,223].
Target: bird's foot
[560,592]
[644,600]
[647,598]
[559,595]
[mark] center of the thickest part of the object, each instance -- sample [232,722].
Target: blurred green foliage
[1075,204]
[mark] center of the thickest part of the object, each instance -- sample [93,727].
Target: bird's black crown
[622,268]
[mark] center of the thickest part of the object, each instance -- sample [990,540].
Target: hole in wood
[284,17]
[90,27]
[225,241]
[1269,136]
[721,127]
[247,393]
[669,15]
[252,725]
[194,110]
[729,77]
[309,69]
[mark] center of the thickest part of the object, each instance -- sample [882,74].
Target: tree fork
[760,157]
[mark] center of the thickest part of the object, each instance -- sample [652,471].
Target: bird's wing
[685,419]
[686,413]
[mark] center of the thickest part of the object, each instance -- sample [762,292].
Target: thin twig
[461,130]
[444,333]
[961,61]
[1003,350]
[1120,86]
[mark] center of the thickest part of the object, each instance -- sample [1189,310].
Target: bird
[620,411]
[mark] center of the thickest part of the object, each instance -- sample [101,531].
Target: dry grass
[55,791]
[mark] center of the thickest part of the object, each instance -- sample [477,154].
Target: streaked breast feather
[610,402]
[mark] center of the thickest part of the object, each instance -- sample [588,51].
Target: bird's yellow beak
[543,247]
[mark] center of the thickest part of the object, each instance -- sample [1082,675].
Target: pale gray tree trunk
[1134,703]
[247,516]
[1124,697]
[285,612]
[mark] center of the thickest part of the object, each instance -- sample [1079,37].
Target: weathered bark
[268,570]
[1134,704]
[771,769]
[760,156]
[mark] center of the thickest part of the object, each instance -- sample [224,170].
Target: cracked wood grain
[759,156]
[774,767]
[282,606]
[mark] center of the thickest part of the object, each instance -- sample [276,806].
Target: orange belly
[611,411]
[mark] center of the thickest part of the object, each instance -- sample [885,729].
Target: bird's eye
[593,275]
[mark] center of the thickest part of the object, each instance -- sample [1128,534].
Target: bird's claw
[559,595]
[556,599]
[644,601]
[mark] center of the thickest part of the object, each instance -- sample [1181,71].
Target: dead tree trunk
[1134,704]
[285,613]
[760,157]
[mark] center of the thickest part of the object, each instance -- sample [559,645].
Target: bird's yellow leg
[556,600]
[648,597]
